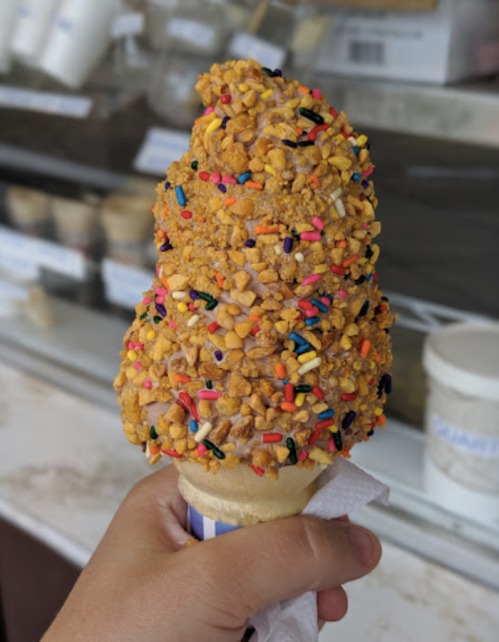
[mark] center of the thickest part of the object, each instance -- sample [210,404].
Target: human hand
[145,583]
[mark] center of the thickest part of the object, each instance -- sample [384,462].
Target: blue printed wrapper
[205,528]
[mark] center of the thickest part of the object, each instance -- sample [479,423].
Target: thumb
[256,566]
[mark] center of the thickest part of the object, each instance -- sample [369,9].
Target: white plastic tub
[462,419]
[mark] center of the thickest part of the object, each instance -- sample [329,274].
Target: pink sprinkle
[131,345]
[139,345]
[215,178]
[172,324]
[228,179]
[325,300]
[310,236]
[137,365]
[148,385]
[202,450]
[313,278]
[318,223]
[160,299]
[342,294]
[368,172]
[316,94]
[208,110]
[147,300]
[159,290]
[312,312]
[209,394]
[303,455]
[365,226]
[191,307]
[331,447]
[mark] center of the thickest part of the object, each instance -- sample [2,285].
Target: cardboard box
[457,39]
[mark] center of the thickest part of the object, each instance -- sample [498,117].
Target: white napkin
[342,489]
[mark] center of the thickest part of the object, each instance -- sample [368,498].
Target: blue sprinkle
[290,143]
[297,339]
[194,295]
[167,185]
[365,184]
[303,348]
[193,425]
[225,121]
[368,278]
[288,244]
[348,419]
[165,247]
[161,309]
[250,243]
[244,177]
[355,149]
[326,414]
[318,304]
[222,188]
[285,381]
[356,176]
[179,190]
[218,355]
[312,321]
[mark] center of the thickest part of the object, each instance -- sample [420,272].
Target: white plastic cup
[8,17]
[33,23]
[462,419]
[28,210]
[78,38]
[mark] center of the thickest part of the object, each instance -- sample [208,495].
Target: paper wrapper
[339,490]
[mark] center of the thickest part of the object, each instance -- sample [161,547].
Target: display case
[78,170]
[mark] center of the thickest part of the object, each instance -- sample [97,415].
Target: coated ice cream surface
[264,339]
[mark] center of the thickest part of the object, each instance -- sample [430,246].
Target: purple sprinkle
[222,188]
[365,184]
[161,309]
[250,243]
[277,72]
[167,185]
[218,355]
[348,419]
[289,143]
[194,295]
[225,121]
[166,246]
[288,244]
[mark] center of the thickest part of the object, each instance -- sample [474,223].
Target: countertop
[65,466]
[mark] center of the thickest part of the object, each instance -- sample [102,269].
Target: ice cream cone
[237,496]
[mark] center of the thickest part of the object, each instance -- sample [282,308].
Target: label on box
[16,247]
[244,45]
[199,34]
[45,102]
[160,148]
[128,24]
[478,445]
[12,291]
[125,284]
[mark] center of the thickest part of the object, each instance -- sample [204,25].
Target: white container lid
[465,357]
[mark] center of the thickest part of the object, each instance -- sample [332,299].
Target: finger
[266,563]
[332,604]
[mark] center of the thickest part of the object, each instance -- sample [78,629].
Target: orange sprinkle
[342,244]
[220,279]
[299,130]
[154,450]
[197,121]
[260,229]
[345,453]
[381,420]
[253,184]
[365,346]
[200,219]
[377,358]
[304,90]
[280,370]
[179,378]
[315,179]
[165,210]
[289,406]
[253,317]
[230,201]
[165,282]
[351,260]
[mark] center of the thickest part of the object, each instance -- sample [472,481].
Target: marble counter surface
[65,466]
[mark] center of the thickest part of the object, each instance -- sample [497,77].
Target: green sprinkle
[338,441]
[369,252]
[156,319]
[211,305]
[364,309]
[194,164]
[295,233]
[268,71]
[208,384]
[205,296]
[152,433]
[311,115]
[216,451]
[143,316]
[303,388]
[292,450]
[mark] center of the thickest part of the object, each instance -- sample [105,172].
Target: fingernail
[363,544]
